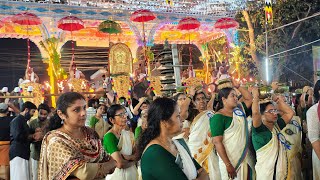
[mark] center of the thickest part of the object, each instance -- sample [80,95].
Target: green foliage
[219,52]
[217,49]
[285,11]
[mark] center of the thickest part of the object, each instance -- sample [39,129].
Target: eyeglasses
[124,114]
[272,111]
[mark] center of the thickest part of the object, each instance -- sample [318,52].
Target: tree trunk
[252,49]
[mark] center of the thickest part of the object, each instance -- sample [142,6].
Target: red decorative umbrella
[27,19]
[189,23]
[71,23]
[226,23]
[143,16]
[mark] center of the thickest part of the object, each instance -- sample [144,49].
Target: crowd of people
[232,132]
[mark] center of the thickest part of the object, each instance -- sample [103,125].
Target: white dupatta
[189,169]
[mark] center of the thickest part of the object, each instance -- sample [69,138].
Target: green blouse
[262,135]
[93,121]
[165,166]
[219,123]
[110,143]
[137,132]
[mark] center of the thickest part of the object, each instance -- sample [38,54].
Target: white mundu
[19,169]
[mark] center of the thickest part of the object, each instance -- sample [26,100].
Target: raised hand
[192,90]
[255,92]
[274,85]
[142,99]
[236,83]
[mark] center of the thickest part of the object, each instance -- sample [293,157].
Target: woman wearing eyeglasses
[268,141]
[119,144]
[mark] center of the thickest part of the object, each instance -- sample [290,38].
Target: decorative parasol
[110,27]
[71,23]
[27,19]
[226,23]
[143,16]
[189,23]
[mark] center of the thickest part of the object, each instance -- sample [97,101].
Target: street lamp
[267,70]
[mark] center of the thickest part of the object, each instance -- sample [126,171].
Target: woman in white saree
[230,132]
[200,140]
[267,136]
[119,144]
